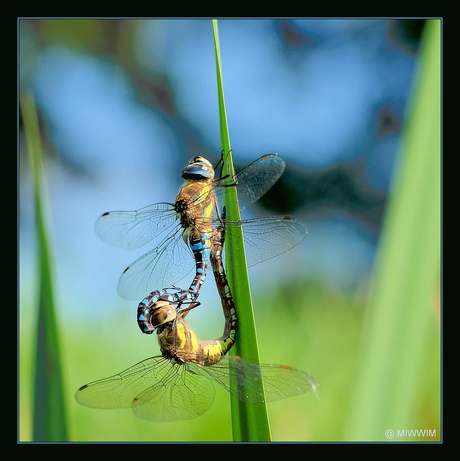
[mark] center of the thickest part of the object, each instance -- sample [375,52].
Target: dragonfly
[178,384]
[186,226]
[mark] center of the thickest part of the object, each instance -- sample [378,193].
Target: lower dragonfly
[178,384]
[191,220]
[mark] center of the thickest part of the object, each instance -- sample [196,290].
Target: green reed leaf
[403,324]
[49,409]
[249,421]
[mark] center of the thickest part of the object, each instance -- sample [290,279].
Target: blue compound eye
[198,169]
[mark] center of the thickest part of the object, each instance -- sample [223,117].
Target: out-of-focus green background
[124,104]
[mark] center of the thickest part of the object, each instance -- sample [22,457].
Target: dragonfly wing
[183,392]
[133,229]
[160,268]
[254,180]
[257,178]
[233,373]
[282,381]
[118,391]
[243,378]
[265,238]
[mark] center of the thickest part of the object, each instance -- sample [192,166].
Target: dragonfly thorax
[194,203]
[177,340]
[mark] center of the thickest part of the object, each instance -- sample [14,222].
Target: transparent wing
[242,379]
[133,229]
[161,267]
[156,389]
[265,238]
[118,391]
[254,180]
[282,381]
[188,395]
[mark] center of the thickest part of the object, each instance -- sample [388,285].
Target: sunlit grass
[49,423]
[402,328]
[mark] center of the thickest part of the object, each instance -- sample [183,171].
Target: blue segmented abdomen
[200,244]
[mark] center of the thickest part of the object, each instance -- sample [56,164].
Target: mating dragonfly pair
[178,383]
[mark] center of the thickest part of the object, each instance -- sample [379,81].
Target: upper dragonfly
[191,220]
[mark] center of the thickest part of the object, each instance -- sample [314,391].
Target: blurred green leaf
[49,409]
[249,421]
[403,309]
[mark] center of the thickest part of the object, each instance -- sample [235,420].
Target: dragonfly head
[198,169]
[153,316]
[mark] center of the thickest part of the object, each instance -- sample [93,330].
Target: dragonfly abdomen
[182,345]
[210,352]
[228,338]
[200,244]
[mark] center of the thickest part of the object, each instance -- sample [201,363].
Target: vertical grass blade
[49,423]
[402,326]
[249,421]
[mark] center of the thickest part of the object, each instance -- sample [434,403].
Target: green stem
[249,421]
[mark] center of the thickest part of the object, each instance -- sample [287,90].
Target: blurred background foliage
[124,104]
